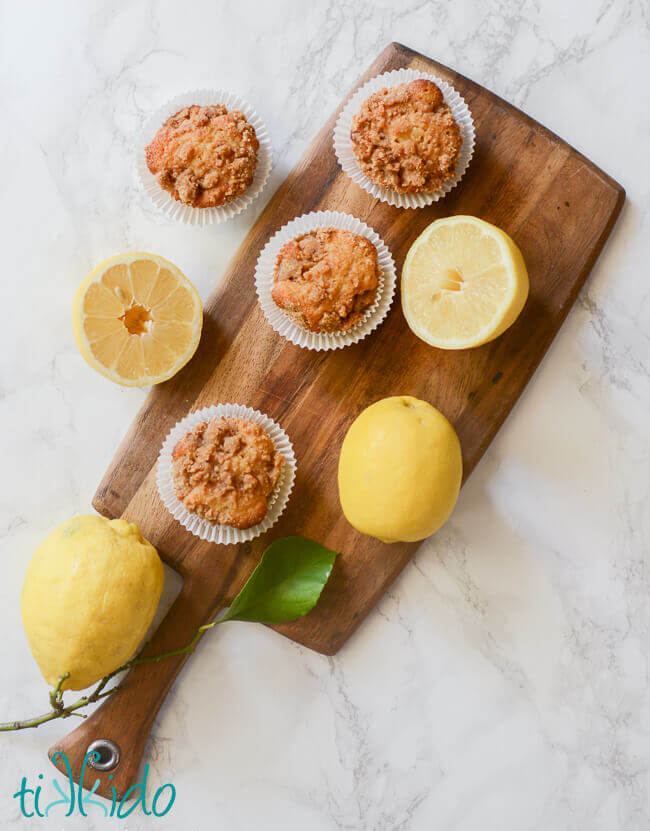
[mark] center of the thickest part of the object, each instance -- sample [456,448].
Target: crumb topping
[225,470]
[405,137]
[326,279]
[204,156]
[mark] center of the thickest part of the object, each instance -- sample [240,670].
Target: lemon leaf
[286,584]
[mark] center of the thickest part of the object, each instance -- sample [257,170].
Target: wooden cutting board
[557,206]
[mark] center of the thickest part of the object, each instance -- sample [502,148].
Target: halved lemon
[137,319]
[464,282]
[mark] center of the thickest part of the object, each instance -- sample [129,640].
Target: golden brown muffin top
[326,279]
[225,470]
[204,156]
[405,137]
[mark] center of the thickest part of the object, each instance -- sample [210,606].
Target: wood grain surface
[557,206]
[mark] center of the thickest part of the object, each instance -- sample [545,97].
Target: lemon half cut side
[464,282]
[137,319]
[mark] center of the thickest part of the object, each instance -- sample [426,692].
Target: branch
[285,585]
[61,710]
[56,695]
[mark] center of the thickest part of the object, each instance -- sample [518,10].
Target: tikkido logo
[33,801]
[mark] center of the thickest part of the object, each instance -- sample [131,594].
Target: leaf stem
[61,710]
[285,585]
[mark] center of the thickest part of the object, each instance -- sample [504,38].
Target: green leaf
[286,584]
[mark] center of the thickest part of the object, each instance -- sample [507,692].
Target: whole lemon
[90,593]
[400,470]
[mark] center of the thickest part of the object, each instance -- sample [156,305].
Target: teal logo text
[34,803]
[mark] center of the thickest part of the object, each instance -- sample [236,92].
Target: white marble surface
[502,682]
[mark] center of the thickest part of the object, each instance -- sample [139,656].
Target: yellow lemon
[90,593]
[137,319]
[400,470]
[464,282]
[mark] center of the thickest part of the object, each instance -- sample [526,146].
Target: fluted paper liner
[178,211]
[350,165]
[281,321]
[211,531]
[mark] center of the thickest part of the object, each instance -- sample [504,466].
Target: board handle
[126,717]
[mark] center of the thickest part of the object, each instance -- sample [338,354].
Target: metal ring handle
[109,754]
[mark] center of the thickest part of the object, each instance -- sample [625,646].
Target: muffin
[225,471]
[405,137]
[326,279]
[204,156]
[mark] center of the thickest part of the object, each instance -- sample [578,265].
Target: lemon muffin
[405,137]
[225,471]
[204,156]
[326,279]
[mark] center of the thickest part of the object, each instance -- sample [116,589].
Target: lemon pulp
[464,282]
[137,319]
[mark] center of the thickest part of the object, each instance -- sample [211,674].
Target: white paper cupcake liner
[350,165]
[210,531]
[281,321]
[169,206]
